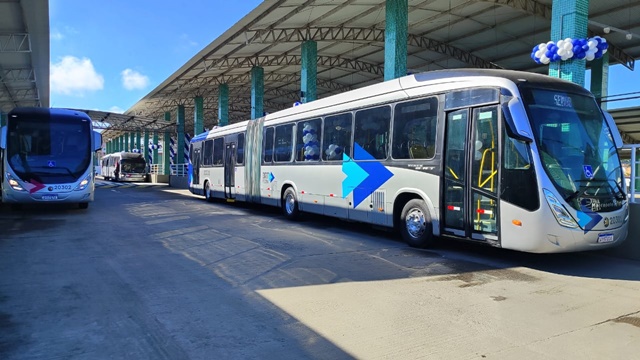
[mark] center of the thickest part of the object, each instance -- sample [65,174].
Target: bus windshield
[49,149]
[576,148]
[133,166]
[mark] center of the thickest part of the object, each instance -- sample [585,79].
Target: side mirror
[97,141]
[615,133]
[516,119]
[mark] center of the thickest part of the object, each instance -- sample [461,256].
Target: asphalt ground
[151,272]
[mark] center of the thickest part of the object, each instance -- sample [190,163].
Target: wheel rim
[289,203]
[208,191]
[415,223]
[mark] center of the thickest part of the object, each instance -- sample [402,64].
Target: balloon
[545,60]
[590,57]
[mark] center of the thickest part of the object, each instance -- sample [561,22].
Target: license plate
[50,197]
[605,238]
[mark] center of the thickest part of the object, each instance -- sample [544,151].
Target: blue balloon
[549,54]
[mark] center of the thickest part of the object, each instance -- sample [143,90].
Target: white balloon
[560,44]
[539,54]
[592,44]
[570,53]
[604,51]
[568,46]
[590,57]
[564,57]
[546,60]
[561,52]
[568,40]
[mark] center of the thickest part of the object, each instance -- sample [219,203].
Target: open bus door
[471,177]
[230,171]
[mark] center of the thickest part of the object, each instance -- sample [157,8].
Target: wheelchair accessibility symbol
[51,163]
[588,171]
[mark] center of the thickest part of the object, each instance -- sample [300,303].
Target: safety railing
[631,166]
[156,169]
[179,169]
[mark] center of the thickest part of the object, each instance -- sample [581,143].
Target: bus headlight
[15,185]
[83,184]
[561,214]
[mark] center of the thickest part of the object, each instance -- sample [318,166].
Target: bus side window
[267,148]
[337,136]
[218,151]
[208,153]
[240,150]
[372,131]
[414,129]
[308,140]
[284,143]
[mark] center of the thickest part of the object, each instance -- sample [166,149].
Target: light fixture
[607,30]
[629,36]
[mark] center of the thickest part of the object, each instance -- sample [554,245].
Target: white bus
[124,166]
[47,156]
[510,159]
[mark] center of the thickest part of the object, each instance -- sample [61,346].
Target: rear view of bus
[48,157]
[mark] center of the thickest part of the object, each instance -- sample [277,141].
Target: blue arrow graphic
[362,178]
[588,219]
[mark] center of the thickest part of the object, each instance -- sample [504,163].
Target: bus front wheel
[290,204]
[416,227]
[83,205]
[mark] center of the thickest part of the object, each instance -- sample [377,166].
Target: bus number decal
[562,101]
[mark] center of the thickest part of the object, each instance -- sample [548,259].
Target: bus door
[471,179]
[230,171]
[196,160]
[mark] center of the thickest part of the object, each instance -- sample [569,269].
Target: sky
[107,55]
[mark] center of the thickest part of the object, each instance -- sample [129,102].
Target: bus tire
[83,205]
[415,224]
[208,194]
[290,204]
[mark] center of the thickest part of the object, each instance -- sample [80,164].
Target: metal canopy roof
[24,53]
[350,39]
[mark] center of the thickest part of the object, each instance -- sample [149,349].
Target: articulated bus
[124,166]
[509,159]
[47,156]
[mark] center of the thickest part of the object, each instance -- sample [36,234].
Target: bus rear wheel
[208,193]
[415,226]
[290,204]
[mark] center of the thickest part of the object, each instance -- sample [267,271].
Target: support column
[257,92]
[223,105]
[309,71]
[145,147]
[600,79]
[155,148]
[138,141]
[180,126]
[3,118]
[127,142]
[166,152]
[569,19]
[395,39]
[198,115]
[120,142]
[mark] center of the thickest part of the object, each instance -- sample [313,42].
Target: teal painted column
[569,19]
[600,79]
[3,118]
[180,126]
[198,115]
[145,147]
[155,148]
[309,71]
[257,92]
[138,141]
[223,104]
[120,143]
[395,39]
[127,142]
[166,152]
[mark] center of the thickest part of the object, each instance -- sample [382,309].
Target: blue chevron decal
[362,178]
[271,177]
[587,219]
